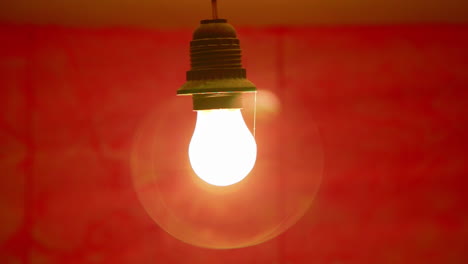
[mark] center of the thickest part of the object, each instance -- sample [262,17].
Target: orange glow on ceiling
[171,13]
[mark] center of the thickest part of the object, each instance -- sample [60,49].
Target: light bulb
[222,150]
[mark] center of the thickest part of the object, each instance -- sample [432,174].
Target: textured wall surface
[389,103]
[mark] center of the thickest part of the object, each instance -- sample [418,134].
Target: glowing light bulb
[222,150]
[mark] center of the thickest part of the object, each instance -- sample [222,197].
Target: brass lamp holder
[216,78]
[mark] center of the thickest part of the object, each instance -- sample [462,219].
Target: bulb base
[216,68]
[217,101]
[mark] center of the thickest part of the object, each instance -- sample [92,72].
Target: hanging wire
[214,8]
[255,114]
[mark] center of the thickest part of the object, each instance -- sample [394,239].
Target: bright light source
[222,150]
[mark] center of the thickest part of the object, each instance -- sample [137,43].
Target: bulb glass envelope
[222,150]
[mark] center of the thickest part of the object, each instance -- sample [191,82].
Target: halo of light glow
[276,193]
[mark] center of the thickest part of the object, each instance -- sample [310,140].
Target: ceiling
[186,13]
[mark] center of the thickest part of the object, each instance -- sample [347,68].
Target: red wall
[389,104]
